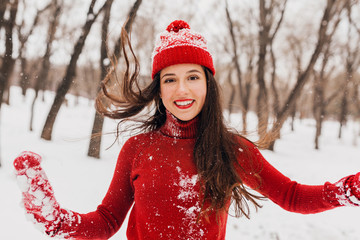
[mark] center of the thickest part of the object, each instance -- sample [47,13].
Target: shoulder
[138,139]
[244,144]
[133,147]
[141,140]
[248,154]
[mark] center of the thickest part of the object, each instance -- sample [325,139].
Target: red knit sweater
[156,174]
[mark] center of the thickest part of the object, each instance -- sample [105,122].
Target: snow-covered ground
[81,182]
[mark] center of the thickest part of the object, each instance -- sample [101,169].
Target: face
[183,90]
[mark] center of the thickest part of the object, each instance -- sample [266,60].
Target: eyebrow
[173,74]
[168,74]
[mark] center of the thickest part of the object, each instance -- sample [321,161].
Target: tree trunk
[343,110]
[262,97]
[95,140]
[232,93]
[3,4]
[266,39]
[66,83]
[318,106]
[320,83]
[24,76]
[293,115]
[317,134]
[244,89]
[352,63]
[8,61]
[276,100]
[45,62]
[247,92]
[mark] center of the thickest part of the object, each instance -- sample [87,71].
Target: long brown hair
[216,147]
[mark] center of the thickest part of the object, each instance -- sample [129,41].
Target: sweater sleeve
[261,176]
[110,214]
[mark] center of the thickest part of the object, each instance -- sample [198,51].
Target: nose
[182,87]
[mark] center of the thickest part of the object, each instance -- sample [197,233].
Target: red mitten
[38,196]
[353,190]
[345,192]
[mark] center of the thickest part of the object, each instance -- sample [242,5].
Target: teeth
[183,103]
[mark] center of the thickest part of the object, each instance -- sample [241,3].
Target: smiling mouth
[184,103]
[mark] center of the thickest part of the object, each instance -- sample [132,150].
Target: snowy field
[81,182]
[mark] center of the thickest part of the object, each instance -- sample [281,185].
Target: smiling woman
[182,173]
[183,90]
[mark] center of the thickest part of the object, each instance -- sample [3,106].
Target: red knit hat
[180,45]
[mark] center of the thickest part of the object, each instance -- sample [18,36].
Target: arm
[292,196]
[40,203]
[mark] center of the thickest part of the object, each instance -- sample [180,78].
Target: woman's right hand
[38,195]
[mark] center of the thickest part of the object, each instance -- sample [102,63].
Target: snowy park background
[81,182]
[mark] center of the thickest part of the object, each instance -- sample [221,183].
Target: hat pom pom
[177,25]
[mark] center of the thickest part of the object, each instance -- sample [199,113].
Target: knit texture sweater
[155,174]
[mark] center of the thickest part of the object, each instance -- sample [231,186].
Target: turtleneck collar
[174,127]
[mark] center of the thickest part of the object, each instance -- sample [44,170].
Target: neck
[174,127]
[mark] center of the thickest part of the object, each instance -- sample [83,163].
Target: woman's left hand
[354,189]
[346,191]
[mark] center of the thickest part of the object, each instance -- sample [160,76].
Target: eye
[169,80]
[193,77]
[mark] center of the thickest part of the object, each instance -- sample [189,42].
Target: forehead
[181,68]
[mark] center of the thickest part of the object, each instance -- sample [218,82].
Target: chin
[185,117]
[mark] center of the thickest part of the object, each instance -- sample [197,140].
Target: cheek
[202,93]
[162,91]
[203,101]
[164,94]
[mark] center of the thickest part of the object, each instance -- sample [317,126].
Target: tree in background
[67,81]
[246,31]
[356,81]
[246,83]
[352,61]
[95,141]
[320,102]
[23,36]
[8,61]
[42,76]
[297,45]
[271,16]
[3,7]
[328,24]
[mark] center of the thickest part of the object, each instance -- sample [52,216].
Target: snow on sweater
[155,173]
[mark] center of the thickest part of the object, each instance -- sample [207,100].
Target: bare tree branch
[323,38]
[70,71]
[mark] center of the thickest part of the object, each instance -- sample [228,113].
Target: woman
[186,168]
